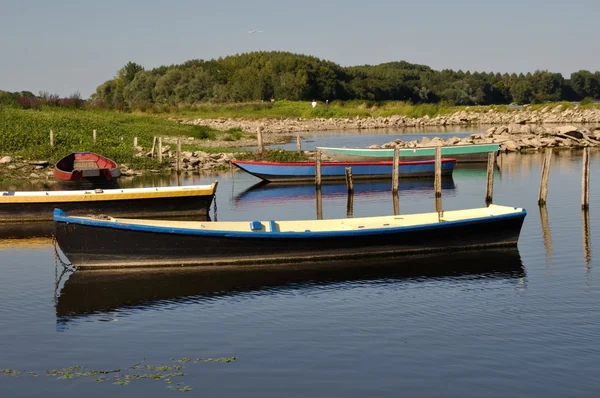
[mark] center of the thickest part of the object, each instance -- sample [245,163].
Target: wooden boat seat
[85,165]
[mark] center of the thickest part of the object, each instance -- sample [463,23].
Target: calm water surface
[521,323]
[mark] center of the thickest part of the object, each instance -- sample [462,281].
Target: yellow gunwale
[110,194]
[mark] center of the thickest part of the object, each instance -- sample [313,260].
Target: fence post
[545,177]
[260,139]
[395,171]
[490,178]
[160,149]
[349,183]
[585,180]
[178,155]
[51,138]
[438,172]
[318,169]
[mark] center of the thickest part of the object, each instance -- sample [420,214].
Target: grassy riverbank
[338,109]
[302,109]
[26,133]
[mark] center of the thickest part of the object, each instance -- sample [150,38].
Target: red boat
[81,166]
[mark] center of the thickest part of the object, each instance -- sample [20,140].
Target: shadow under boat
[281,191]
[96,291]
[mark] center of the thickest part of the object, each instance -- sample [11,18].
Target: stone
[42,163]
[6,159]
[566,129]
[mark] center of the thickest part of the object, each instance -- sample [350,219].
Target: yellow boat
[155,202]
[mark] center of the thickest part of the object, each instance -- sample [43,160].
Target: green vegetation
[302,109]
[262,76]
[124,376]
[273,155]
[27,133]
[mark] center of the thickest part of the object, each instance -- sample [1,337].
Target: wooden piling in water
[395,172]
[585,180]
[349,183]
[545,176]
[259,138]
[178,155]
[51,138]
[318,169]
[159,149]
[547,236]
[319,196]
[490,178]
[587,241]
[438,208]
[396,203]
[350,205]
[438,172]
[94,136]
[298,143]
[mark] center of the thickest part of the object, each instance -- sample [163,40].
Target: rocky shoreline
[512,138]
[515,138]
[548,115]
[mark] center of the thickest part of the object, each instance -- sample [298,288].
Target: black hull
[92,291]
[97,247]
[133,208]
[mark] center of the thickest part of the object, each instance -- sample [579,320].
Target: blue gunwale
[60,216]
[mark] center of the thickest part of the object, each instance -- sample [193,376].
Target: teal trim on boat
[462,153]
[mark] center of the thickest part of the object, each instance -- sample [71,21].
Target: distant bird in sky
[255,31]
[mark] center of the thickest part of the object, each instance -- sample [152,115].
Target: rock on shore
[547,115]
[515,138]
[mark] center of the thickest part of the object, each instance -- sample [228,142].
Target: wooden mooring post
[159,149]
[94,136]
[319,196]
[545,177]
[260,139]
[51,138]
[395,171]
[490,178]
[585,180]
[396,203]
[318,169]
[298,143]
[178,155]
[349,182]
[438,172]
[547,236]
[587,241]
[350,205]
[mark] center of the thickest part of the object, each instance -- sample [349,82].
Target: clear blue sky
[63,46]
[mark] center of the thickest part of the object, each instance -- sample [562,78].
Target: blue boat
[262,191]
[332,171]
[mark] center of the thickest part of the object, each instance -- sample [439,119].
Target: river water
[507,323]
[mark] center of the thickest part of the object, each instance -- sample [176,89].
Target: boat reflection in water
[98,291]
[283,192]
[26,230]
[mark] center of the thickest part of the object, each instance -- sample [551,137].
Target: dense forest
[262,76]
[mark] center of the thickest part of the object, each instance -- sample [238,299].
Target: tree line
[263,76]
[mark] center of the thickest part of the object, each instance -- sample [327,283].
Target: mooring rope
[57,257]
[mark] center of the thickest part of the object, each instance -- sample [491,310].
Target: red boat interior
[86,164]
